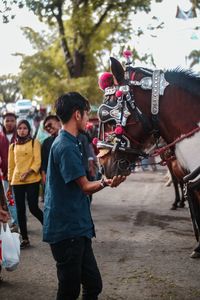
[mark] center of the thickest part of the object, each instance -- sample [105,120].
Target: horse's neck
[178,114]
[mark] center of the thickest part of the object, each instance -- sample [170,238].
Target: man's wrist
[90,158]
[103,183]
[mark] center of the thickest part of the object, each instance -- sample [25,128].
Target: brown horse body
[177,118]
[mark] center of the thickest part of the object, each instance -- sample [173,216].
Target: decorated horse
[140,106]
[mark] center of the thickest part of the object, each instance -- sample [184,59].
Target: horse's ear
[117,70]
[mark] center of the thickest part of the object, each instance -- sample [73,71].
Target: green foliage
[87,86]
[37,41]
[84,31]
[46,10]
[48,82]
[49,87]
[6,9]
[44,74]
[41,75]
[91,27]
[9,88]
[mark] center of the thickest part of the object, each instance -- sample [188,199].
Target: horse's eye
[112,102]
[112,123]
[109,126]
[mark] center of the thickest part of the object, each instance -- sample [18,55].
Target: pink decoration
[119,130]
[106,80]
[118,94]
[89,125]
[95,141]
[10,198]
[127,53]
[11,202]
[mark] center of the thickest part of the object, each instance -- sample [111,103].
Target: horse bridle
[126,106]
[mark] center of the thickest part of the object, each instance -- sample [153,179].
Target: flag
[185,15]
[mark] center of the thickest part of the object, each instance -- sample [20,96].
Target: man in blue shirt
[68,225]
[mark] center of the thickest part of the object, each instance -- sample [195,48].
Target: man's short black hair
[68,103]
[51,117]
[9,114]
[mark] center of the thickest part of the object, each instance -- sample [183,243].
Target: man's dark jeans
[76,265]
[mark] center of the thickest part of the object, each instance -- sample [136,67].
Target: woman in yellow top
[24,162]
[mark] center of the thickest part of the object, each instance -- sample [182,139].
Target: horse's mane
[185,79]
[145,71]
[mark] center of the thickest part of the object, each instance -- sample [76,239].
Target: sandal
[24,244]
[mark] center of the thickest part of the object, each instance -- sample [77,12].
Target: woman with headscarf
[24,163]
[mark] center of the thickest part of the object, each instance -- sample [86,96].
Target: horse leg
[194,200]
[196,252]
[182,201]
[168,177]
[177,195]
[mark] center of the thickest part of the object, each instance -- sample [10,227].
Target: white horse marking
[188,152]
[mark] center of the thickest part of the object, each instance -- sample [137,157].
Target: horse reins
[161,150]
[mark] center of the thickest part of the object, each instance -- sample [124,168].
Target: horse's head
[126,116]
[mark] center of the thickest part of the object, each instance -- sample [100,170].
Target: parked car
[23,106]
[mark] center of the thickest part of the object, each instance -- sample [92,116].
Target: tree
[90,26]
[9,88]
[85,29]
[43,74]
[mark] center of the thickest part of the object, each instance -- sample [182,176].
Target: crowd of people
[59,164]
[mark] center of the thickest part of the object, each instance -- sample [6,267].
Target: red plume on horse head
[127,54]
[106,80]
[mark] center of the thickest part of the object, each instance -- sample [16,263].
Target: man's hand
[115,181]
[4,216]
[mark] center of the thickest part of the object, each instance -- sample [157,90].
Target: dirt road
[142,248]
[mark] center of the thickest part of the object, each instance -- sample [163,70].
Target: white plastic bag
[10,248]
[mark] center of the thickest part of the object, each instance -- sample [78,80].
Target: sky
[13,40]
[169,46]
[173,43]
